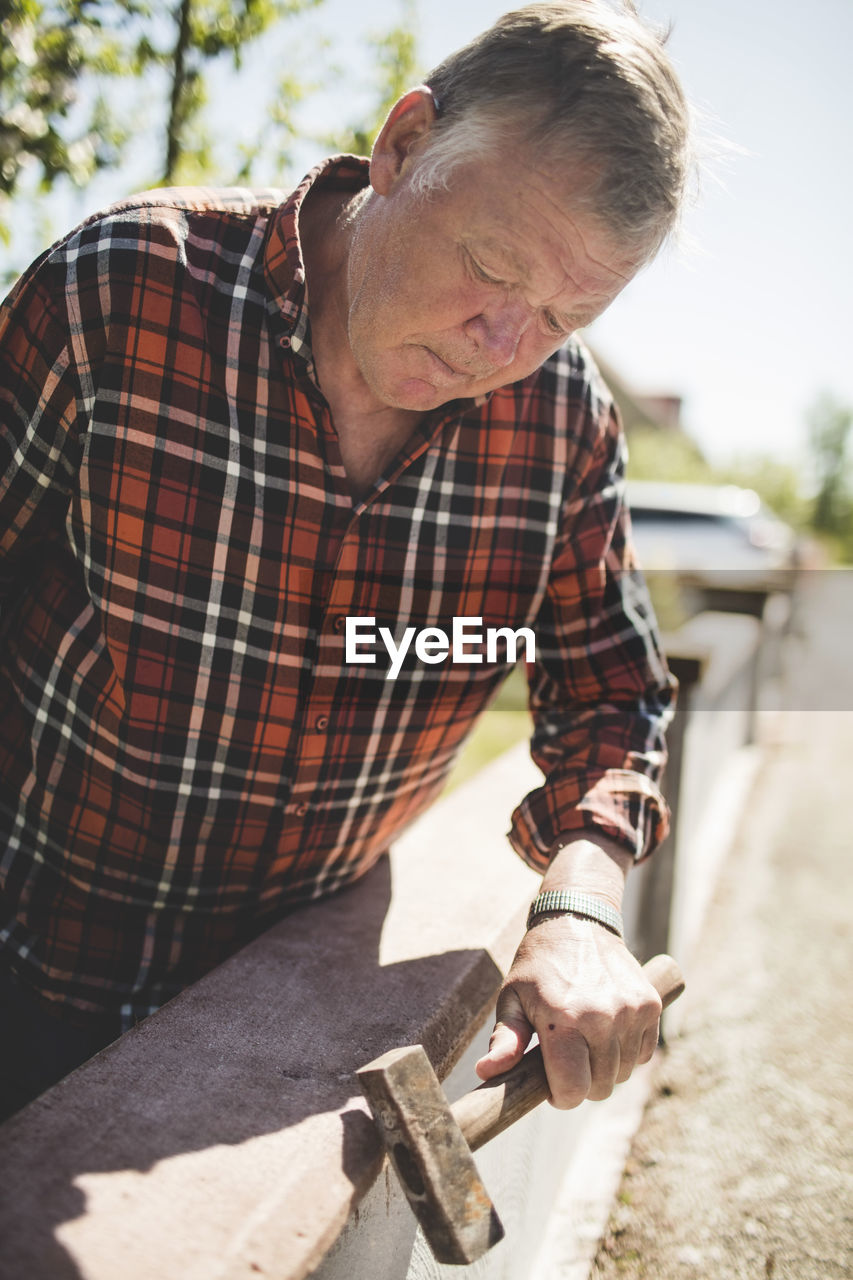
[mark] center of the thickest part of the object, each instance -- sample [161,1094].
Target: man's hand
[578,987]
[582,991]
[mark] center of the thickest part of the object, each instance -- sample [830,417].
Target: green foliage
[827,511]
[665,455]
[494,733]
[62,67]
[201,32]
[79,77]
[397,69]
[46,51]
[275,145]
[670,600]
[654,454]
[829,425]
[512,695]
[222,26]
[778,484]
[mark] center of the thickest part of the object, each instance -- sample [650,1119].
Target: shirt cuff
[623,805]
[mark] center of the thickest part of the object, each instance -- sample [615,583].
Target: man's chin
[427,382]
[420,396]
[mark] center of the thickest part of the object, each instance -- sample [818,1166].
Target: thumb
[509,1039]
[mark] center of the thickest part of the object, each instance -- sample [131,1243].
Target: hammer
[430,1142]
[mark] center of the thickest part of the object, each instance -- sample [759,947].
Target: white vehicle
[701,531]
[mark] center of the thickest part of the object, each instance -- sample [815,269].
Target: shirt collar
[284,265]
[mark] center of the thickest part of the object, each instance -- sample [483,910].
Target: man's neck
[370,433]
[327,222]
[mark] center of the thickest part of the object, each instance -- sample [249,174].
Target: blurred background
[730,355]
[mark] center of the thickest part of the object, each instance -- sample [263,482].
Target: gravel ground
[743,1166]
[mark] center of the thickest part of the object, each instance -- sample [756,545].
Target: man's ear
[408,123]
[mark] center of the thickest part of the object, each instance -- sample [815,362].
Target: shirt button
[321,723]
[302,809]
[284,341]
[340,622]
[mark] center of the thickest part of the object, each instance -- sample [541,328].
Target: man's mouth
[453,371]
[440,365]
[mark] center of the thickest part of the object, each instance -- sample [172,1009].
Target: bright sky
[753,320]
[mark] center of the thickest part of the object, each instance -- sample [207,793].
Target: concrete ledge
[719,647]
[225,1137]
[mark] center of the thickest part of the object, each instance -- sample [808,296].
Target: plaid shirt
[184,753]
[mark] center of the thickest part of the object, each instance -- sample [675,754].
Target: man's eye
[554,325]
[482,274]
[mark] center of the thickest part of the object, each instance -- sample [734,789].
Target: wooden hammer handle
[493,1106]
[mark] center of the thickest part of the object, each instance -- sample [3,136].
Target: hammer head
[432,1158]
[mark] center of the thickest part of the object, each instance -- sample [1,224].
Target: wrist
[598,867]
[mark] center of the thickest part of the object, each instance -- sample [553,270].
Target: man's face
[473,288]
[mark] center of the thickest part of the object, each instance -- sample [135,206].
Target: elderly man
[234,423]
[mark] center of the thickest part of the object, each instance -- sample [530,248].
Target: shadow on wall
[266,1042]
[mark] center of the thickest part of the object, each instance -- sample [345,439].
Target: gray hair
[575,83]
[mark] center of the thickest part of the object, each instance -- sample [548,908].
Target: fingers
[587,1055]
[568,1066]
[638,1047]
[587,998]
[649,1043]
[510,1037]
[578,1065]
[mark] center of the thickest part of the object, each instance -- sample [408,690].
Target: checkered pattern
[184,754]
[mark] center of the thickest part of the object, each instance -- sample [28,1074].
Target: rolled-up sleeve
[600,692]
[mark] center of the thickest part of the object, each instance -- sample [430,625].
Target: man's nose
[497,331]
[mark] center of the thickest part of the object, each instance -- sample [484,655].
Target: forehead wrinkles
[571,244]
[559,256]
[561,277]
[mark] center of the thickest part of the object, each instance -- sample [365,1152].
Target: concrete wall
[226,1136]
